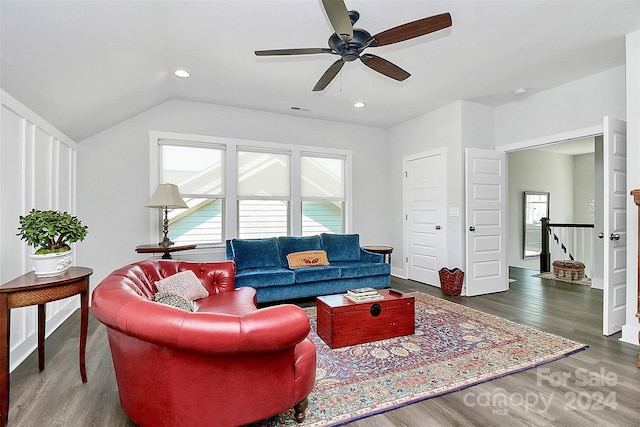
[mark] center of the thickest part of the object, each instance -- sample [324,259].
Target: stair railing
[566,241]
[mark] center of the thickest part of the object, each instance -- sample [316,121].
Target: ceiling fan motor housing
[351,50]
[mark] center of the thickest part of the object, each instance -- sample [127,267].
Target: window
[198,171]
[322,194]
[264,192]
[249,189]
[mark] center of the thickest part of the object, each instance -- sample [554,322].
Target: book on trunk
[364,298]
[360,292]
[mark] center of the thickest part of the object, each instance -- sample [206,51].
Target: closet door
[425,225]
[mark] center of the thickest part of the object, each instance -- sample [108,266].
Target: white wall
[570,182]
[37,170]
[457,126]
[577,105]
[597,281]
[584,188]
[534,170]
[115,167]
[440,128]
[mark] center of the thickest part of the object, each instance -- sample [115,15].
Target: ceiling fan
[349,42]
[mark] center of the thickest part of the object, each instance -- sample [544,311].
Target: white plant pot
[49,265]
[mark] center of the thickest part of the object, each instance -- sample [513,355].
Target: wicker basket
[568,269]
[451,281]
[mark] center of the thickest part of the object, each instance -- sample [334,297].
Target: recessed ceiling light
[359,104]
[182,73]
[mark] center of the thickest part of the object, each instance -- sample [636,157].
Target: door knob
[614,236]
[472,228]
[601,235]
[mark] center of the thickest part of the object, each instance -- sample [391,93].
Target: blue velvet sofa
[262,264]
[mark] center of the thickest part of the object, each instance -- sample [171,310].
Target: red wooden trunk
[342,322]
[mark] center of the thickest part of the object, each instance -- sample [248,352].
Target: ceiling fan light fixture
[359,104]
[349,43]
[182,73]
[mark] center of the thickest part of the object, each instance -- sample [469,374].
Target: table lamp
[166,196]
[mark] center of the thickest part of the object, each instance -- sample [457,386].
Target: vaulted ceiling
[87,65]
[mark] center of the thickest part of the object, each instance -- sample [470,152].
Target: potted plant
[51,233]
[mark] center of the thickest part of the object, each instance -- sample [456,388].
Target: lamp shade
[166,196]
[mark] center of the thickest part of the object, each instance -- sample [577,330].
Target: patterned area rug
[586,281]
[454,347]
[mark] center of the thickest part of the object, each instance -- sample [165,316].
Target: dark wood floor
[610,394]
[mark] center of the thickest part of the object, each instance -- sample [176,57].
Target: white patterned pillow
[176,301]
[185,283]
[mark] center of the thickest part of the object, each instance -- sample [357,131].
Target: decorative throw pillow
[307,259]
[176,301]
[185,284]
[290,244]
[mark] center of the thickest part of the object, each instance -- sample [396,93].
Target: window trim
[230,147]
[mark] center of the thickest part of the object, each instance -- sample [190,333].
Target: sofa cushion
[185,284]
[341,247]
[307,259]
[264,277]
[350,269]
[175,301]
[290,244]
[316,274]
[255,253]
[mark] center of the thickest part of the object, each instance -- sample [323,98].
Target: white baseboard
[597,283]
[399,273]
[630,333]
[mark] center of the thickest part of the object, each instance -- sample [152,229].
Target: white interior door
[615,223]
[425,203]
[486,224]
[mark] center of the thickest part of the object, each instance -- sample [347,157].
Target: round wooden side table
[384,250]
[166,250]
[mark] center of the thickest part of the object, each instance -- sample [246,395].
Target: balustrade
[566,242]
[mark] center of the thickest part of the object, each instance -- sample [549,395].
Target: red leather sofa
[228,364]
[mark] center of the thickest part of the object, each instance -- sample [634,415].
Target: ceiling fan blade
[384,67]
[303,51]
[411,30]
[328,75]
[339,18]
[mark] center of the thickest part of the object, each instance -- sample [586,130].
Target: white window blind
[198,171]
[195,170]
[263,175]
[322,177]
[264,190]
[322,190]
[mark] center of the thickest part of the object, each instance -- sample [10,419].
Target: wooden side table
[29,289]
[384,250]
[166,250]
